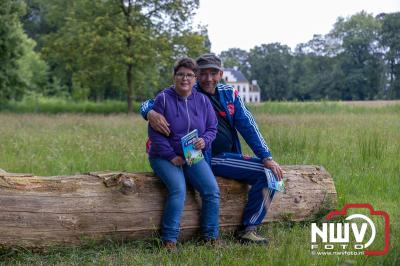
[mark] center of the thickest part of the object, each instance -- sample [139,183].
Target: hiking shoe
[251,237]
[169,246]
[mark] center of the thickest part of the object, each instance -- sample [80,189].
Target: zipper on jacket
[187,111]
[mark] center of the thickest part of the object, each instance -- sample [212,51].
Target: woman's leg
[174,179]
[200,176]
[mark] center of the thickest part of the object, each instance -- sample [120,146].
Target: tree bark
[38,212]
[126,8]
[129,96]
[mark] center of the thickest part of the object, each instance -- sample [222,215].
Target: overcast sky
[247,23]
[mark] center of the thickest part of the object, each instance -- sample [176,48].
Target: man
[227,159]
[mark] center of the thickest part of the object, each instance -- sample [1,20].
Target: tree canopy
[357,60]
[125,50]
[11,49]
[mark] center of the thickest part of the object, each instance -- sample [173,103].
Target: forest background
[122,52]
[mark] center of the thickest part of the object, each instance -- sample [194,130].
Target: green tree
[360,56]
[114,48]
[270,67]
[314,72]
[390,40]
[316,46]
[41,19]
[11,49]
[236,57]
[32,69]
[313,77]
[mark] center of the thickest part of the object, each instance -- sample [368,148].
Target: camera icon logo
[335,237]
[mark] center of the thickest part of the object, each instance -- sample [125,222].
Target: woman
[185,110]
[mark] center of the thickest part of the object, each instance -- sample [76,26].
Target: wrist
[148,114]
[266,159]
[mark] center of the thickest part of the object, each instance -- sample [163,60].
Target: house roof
[237,74]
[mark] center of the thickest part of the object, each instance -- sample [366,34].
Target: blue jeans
[202,179]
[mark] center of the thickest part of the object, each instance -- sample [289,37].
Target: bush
[35,103]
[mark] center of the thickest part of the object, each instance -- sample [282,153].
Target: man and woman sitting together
[197,100]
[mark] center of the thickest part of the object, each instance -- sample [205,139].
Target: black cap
[209,61]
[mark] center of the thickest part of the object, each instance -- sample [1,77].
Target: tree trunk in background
[38,212]
[130,87]
[126,8]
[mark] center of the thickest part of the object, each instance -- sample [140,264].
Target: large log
[37,212]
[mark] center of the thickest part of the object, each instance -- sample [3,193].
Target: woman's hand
[178,161]
[199,144]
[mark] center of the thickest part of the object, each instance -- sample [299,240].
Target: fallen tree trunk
[37,212]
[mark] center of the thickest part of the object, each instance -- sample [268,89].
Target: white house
[250,93]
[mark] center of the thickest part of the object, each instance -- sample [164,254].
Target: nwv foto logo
[337,235]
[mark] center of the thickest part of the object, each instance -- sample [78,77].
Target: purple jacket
[183,116]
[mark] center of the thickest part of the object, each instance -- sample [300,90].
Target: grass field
[361,149]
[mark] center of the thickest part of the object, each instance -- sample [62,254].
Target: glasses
[188,76]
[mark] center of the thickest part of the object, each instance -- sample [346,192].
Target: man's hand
[199,144]
[178,161]
[274,166]
[158,122]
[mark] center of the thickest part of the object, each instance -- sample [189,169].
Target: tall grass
[322,107]
[361,150]
[66,144]
[53,105]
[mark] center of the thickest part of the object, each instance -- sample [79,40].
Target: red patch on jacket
[148,145]
[223,114]
[231,109]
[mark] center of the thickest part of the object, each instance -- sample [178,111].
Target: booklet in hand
[192,155]
[273,183]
